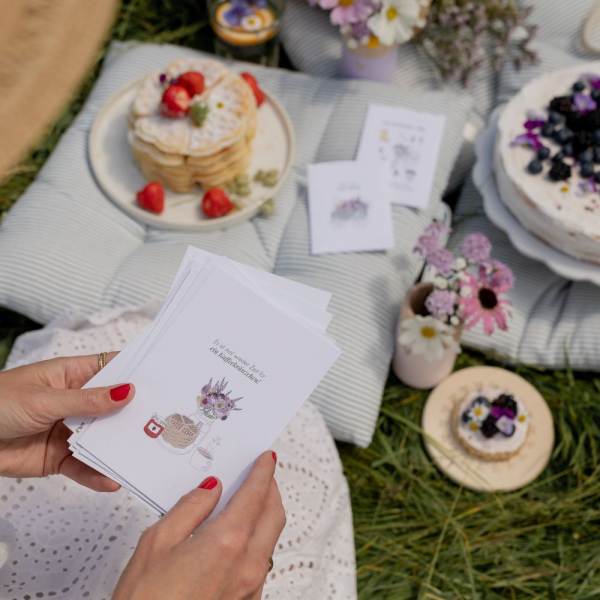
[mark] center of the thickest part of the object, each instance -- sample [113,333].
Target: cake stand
[524,241]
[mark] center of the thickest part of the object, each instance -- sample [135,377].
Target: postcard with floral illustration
[349,211]
[218,377]
[403,146]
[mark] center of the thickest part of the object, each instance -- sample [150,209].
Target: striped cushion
[314,46]
[65,246]
[554,320]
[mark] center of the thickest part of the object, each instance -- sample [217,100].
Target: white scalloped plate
[525,242]
[467,469]
[120,179]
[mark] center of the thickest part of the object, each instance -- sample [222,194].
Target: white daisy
[395,21]
[427,336]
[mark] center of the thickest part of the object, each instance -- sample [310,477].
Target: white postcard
[349,211]
[218,376]
[403,146]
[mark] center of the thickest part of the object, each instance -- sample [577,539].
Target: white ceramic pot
[414,369]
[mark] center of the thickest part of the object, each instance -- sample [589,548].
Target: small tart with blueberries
[491,423]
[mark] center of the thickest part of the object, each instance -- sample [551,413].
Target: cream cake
[491,423]
[547,160]
[193,123]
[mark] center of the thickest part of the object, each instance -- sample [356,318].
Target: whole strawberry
[152,197]
[258,93]
[175,102]
[192,81]
[216,203]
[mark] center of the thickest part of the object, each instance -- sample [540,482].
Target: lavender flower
[440,303]
[441,260]
[476,248]
[531,124]
[527,139]
[583,103]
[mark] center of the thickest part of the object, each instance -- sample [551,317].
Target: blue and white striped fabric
[64,245]
[314,46]
[554,320]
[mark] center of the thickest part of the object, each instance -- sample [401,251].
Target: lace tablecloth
[59,540]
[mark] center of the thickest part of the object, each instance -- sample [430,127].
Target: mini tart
[485,426]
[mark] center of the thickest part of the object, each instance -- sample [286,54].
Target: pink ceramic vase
[414,369]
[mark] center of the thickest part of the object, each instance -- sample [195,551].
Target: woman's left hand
[35,399]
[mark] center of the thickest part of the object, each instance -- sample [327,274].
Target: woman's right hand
[227,559]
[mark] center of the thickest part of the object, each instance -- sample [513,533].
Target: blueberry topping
[562,136]
[558,157]
[587,169]
[568,149]
[591,120]
[596,157]
[555,118]
[586,156]
[595,94]
[578,86]
[535,167]
[543,153]
[547,130]
[597,177]
[559,171]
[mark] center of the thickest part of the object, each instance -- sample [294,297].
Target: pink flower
[482,301]
[346,12]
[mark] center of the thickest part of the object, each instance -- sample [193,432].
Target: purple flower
[476,248]
[583,103]
[593,80]
[531,124]
[437,229]
[588,187]
[162,78]
[429,242]
[235,15]
[497,412]
[527,139]
[501,277]
[361,30]
[440,303]
[441,260]
[351,11]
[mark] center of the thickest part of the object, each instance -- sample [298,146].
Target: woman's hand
[33,402]
[226,559]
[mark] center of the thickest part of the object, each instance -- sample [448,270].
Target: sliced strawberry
[258,93]
[175,102]
[216,203]
[192,81]
[152,197]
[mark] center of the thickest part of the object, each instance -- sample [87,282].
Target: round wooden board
[117,174]
[469,470]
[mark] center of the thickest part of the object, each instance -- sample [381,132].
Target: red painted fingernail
[120,393]
[274,455]
[208,484]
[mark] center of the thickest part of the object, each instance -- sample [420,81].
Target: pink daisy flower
[481,299]
[347,12]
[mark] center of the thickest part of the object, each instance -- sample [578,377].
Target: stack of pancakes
[178,153]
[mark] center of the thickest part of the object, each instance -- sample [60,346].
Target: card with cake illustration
[192,144]
[402,146]
[218,376]
[488,429]
[348,209]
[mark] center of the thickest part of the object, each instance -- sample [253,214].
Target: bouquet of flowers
[459,36]
[215,403]
[467,290]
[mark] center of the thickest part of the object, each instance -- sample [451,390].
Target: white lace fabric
[60,540]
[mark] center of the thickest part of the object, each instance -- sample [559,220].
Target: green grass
[418,535]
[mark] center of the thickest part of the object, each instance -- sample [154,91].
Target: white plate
[470,470]
[120,179]
[497,212]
